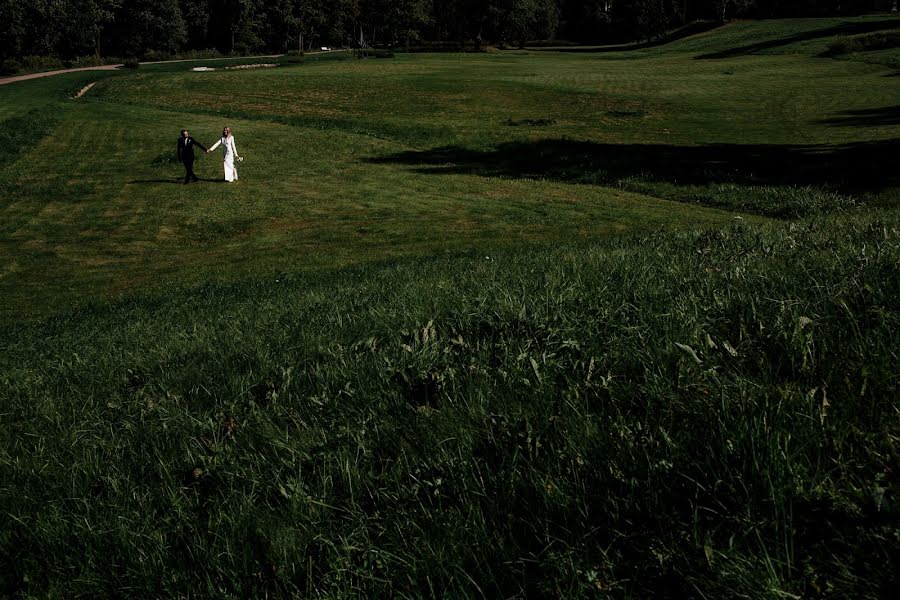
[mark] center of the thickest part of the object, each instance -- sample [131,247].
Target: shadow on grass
[22,131]
[857,166]
[179,181]
[689,30]
[869,117]
[845,29]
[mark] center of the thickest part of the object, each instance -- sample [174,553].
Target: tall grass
[534,382]
[710,413]
[863,43]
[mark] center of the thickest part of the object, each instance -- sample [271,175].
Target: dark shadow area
[870,117]
[689,30]
[854,167]
[23,131]
[179,181]
[845,29]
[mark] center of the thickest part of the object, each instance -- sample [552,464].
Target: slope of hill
[785,36]
[525,324]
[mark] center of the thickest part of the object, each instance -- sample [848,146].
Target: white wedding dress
[230,155]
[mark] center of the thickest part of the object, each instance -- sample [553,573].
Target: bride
[227,142]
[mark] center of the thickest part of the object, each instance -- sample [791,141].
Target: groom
[186,155]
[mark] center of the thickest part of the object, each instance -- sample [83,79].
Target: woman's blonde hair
[226,132]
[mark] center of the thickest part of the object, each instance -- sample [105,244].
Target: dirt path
[15,78]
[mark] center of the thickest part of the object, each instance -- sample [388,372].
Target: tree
[42,27]
[652,18]
[524,19]
[341,17]
[249,26]
[643,19]
[143,25]
[477,13]
[585,20]
[449,20]
[87,21]
[727,8]
[405,19]
[13,15]
[307,18]
[196,20]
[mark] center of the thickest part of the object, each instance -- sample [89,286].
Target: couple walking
[186,154]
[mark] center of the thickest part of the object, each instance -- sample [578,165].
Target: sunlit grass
[510,325]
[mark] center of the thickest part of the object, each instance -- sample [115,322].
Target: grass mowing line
[712,408]
[323,205]
[113,223]
[785,36]
[45,93]
[749,103]
[761,198]
[343,125]
[348,126]
[19,133]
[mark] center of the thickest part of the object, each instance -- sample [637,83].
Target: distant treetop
[134,28]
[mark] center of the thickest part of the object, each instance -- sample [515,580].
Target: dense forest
[131,28]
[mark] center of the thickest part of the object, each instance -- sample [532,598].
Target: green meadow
[580,322]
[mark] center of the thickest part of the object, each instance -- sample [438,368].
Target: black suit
[186,155]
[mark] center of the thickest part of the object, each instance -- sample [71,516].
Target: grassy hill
[567,324]
[809,37]
[370,160]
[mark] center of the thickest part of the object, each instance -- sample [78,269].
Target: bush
[132,63]
[10,66]
[879,41]
[426,46]
[41,63]
[479,48]
[205,53]
[874,41]
[840,45]
[293,57]
[91,60]
[156,55]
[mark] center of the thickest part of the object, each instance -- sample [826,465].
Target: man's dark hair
[183,131]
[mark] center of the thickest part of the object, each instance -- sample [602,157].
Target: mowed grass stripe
[120,217]
[475,363]
[781,36]
[678,99]
[361,161]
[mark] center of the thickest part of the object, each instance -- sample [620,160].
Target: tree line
[131,28]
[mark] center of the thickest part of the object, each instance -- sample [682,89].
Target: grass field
[527,323]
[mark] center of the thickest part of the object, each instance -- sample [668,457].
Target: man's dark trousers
[189,170]
[186,156]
